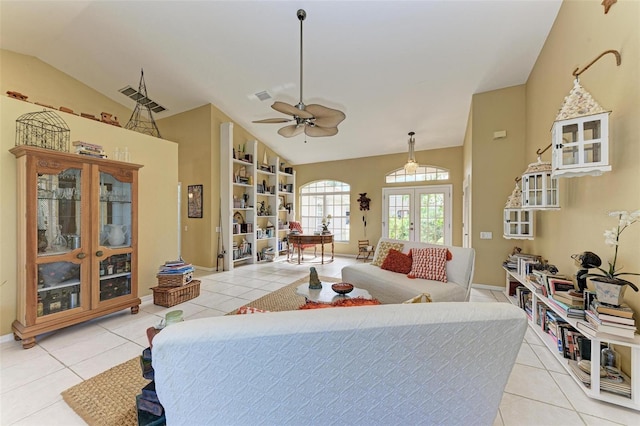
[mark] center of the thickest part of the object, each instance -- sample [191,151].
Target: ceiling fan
[314,120]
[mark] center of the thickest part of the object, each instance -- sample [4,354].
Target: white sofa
[428,363]
[393,287]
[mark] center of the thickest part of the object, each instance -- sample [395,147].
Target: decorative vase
[42,240]
[611,293]
[115,234]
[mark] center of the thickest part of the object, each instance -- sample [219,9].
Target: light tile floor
[539,391]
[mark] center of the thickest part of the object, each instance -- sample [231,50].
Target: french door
[420,214]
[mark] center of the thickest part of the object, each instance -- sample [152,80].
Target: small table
[301,239]
[327,295]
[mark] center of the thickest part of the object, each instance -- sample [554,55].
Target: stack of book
[90,149]
[619,384]
[562,295]
[615,320]
[175,267]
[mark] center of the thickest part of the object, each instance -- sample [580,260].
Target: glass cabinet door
[58,219]
[115,237]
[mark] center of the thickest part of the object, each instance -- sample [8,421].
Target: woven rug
[110,397]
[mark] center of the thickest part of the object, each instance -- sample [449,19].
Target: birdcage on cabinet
[43,129]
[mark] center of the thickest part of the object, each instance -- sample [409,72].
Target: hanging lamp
[411,166]
[539,188]
[518,222]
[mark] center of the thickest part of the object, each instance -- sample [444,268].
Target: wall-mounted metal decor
[44,129]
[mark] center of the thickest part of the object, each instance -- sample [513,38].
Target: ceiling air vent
[263,96]
[141,99]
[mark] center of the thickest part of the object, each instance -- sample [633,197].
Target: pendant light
[411,166]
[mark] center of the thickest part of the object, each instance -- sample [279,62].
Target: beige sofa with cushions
[393,287]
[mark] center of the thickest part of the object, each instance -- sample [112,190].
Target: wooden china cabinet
[77,240]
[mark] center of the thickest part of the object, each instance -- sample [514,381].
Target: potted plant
[326,221]
[609,286]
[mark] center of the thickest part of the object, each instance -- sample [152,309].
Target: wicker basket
[174,280]
[171,296]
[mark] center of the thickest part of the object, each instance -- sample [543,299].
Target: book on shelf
[617,330]
[595,319]
[91,153]
[621,311]
[568,299]
[555,284]
[87,145]
[613,318]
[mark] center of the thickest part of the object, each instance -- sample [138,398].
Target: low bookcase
[594,389]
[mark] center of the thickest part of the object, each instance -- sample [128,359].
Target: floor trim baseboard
[487,287]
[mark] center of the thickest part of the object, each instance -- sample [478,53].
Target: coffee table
[327,295]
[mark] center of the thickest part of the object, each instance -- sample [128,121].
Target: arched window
[322,198]
[422,174]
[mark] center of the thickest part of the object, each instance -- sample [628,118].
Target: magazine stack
[90,149]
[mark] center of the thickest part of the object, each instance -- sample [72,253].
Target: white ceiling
[390,66]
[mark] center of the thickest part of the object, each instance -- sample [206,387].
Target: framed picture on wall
[194,194]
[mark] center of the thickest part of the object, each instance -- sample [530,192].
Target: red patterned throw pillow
[429,263]
[396,261]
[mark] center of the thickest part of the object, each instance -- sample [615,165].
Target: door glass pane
[58,287]
[59,212]
[399,208]
[115,212]
[432,218]
[115,276]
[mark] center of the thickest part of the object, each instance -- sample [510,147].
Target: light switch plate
[486,235]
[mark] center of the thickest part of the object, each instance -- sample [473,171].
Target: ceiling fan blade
[317,132]
[325,117]
[274,120]
[291,131]
[291,110]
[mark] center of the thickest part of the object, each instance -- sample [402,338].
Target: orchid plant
[612,238]
[326,221]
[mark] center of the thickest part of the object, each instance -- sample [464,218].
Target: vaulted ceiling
[391,66]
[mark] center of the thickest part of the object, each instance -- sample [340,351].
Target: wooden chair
[364,250]
[296,226]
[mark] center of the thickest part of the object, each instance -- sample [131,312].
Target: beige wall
[368,175]
[157,179]
[198,135]
[581,32]
[49,86]
[194,134]
[495,164]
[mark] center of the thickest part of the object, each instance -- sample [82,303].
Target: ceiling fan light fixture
[412,165]
[314,120]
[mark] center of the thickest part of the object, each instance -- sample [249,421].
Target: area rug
[109,399]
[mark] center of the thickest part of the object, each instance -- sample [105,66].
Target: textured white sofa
[429,363]
[393,287]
